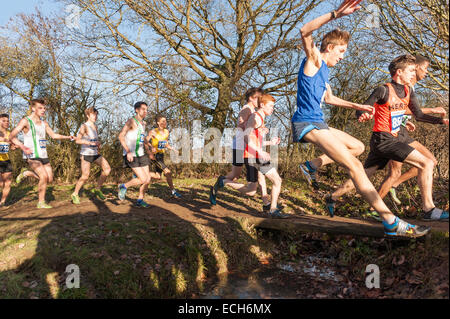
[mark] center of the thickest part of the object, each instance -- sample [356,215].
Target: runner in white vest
[132,138]
[34,146]
[88,138]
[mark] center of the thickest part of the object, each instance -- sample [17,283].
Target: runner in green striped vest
[34,146]
[132,138]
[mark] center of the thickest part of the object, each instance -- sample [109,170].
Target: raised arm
[334,100]
[56,136]
[79,138]
[128,126]
[13,136]
[312,52]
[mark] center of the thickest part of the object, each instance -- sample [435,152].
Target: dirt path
[199,211]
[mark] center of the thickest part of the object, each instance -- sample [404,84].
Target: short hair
[420,59]
[334,37]
[159,117]
[252,91]
[265,98]
[138,105]
[4,115]
[37,101]
[400,63]
[90,110]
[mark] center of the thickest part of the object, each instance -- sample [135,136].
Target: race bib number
[94,140]
[4,148]
[396,120]
[141,140]
[42,143]
[162,145]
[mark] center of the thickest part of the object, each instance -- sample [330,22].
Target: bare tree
[221,46]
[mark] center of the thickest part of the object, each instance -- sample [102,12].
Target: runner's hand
[275,141]
[366,108]
[365,117]
[439,110]
[410,126]
[152,156]
[264,156]
[26,150]
[347,7]
[445,121]
[130,157]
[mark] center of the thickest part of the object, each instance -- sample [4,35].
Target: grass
[133,255]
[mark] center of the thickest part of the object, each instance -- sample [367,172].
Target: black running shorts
[300,129]
[44,161]
[253,166]
[91,158]
[158,163]
[140,161]
[5,167]
[384,147]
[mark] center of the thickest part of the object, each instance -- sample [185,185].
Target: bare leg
[235,173]
[276,187]
[143,175]
[106,170]
[6,185]
[41,172]
[395,171]
[85,169]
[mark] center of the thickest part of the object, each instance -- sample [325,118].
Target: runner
[395,176]
[251,98]
[90,145]
[5,163]
[308,121]
[391,102]
[257,161]
[132,138]
[159,141]
[34,146]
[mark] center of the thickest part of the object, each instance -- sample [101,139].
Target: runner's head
[4,121]
[403,69]
[91,114]
[252,95]
[422,64]
[161,121]
[266,103]
[38,107]
[334,44]
[141,109]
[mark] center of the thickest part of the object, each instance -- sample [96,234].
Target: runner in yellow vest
[159,141]
[34,146]
[5,163]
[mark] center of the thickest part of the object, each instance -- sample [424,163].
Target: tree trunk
[222,108]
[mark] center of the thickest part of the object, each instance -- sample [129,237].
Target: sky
[10,9]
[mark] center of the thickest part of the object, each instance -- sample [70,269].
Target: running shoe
[400,228]
[436,214]
[310,174]
[142,204]
[212,196]
[21,175]
[330,205]
[43,205]
[372,213]
[97,192]
[219,183]
[75,199]
[122,192]
[394,197]
[175,194]
[266,208]
[277,214]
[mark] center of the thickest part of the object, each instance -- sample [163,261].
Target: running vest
[310,94]
[35,140]
[92,136]
[4,149]
[256,138]
[135,140]
[389,116]
[238,140]
[159,141]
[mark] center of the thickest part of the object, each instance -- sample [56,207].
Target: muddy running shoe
[43,205]
[310,174]
[436,214]
[75,199]
[98,193]
[219,183]
[175,194]
[21,175]
[212,196]
[142,204]
[372,213]
[122,192]
[400,228]
[330,205]
[266,208]
[277,214]
[394,197]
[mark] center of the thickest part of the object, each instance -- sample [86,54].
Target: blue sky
[10,9]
